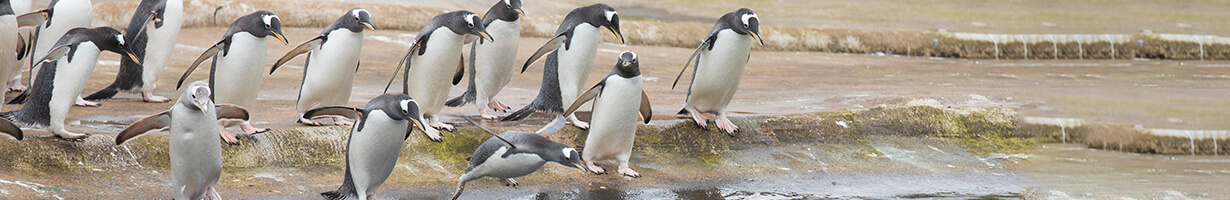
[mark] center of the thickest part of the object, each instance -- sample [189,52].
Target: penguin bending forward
[61,16]
[570,56]
[373,148]
[333,59]
[235,74]
[492,64]
[151,34]
[435,55]
[196,157]
[720,60]
[517,153]
[617,101]
[65,70]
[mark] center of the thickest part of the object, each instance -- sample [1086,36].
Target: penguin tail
[105,93]
[20,99]
[523,113]
[333,195]
[466,97]
[682,111]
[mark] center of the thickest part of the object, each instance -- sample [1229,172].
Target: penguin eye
[746,26]
[268,26]
[470,24]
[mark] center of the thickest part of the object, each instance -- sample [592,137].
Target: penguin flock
[62,50]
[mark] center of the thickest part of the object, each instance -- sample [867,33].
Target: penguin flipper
[461,69]
[35,18]
[695,55]
[301,49]
[348,112]
[209,53]
[9,128]
[153,122]
[229,111]
[55,53]
[550,46]
[646,109]
[405,61]
[588,95]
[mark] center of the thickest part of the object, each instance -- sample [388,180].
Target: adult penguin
[62,15]
[333,59]
[435,55]
[618,99]
[25,35]
[235,74]
[570,56]
[517,153]
[373,148]
[492,64]
[720,60]
[151,43]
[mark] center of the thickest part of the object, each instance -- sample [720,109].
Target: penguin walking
[9,40]
[152,44]
[720,60]
[62,15]
[570,56]
[517,153]
[196,157]
[25,35]
[373,148]
[617,101]
[235,74]
[436,53]
[492,63]
[65,70]
[333,59]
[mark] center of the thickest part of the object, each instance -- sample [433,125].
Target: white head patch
[120,37]
[405,105]
[508,2]
[568,152]
[747,17]
[470,19]
[610,15]
[356,12]
[269,20]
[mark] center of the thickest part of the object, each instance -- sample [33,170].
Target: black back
[504,10]
[594,15]
[460,22]
[525,142]
[252,24]
[352,20]
[734,22]
[6,7]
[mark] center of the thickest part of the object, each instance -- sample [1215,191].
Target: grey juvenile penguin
[617,101]
[571,56]
[517,153]
[720,60]
[436,54]
[492,64]
[373,148]
[333,59]
[196,156]
[151,33]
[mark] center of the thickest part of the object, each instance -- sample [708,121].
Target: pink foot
[577,122]
[699,118]
[341,121]
[150,97]
[509,182]
[595,168]
[227,135]
[725,124]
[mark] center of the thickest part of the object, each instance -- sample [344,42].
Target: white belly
[516,165]
[612,127]
[431,75]
[373,153]
[575,62]
[69,14]
[719,72]
[496,61]
[329,78]
[196,157]
[20,6]
[70,79]
[8,61]
[238,74]
[160,43]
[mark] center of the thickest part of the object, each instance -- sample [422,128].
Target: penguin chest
[332,66]
[20,6]
[576,59]
[613,122]
[719,71]
[196,157]
[68,14]
[495,62]
[431,74]
[237,72]
[8,29]
[515,165]
[161,40]
[71,76]
[372,152]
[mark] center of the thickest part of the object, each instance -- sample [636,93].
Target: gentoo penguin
[719,67]
[373,148]
[65,70]
[333,59]
[196,157]
[570,59]
[517,153]
[25,35]
[235,74]
[436,54]
[9,40]
[62,15]
[492,63]
[617,101]
[152,43]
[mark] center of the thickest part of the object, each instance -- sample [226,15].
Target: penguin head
[466,22]
[567,156]
[602,15]
[744,21]
[109,39]
[356,20]
[197,96]
[260,24]
[398,107]
[507,10]
[628,65]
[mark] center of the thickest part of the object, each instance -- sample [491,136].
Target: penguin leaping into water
[151,33]
[720,60]
[333,59]
[517,153]
[618,99]
[492,64]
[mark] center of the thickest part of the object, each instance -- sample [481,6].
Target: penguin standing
[328,73]
[517,153]
[435,55]
[235,74]
[720,60]
[373,147]
[65,70]
[570,59]
[617,101]
[153,44]
[196,157]
[24,34]
[9,40]
[62,15]
[492,63]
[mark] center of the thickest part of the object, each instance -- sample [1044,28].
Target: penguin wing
[229,111]
[461,69]
[405,61]
[209,53]
[9,128]
[348,112]
[301,49]
[153,122]
[35,18]
[551,45]
[646,110]
[695,55]
[56,53]
[588,95]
